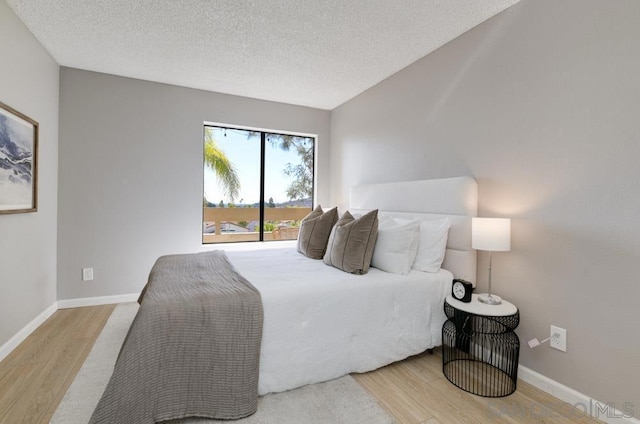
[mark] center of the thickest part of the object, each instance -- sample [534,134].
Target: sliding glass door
[257,185]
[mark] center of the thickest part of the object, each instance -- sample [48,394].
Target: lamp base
[489,299]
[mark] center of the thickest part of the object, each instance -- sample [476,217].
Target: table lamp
[492,235]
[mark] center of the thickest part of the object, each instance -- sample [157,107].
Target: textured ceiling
[317,53]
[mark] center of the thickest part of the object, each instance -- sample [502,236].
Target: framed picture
[18,162]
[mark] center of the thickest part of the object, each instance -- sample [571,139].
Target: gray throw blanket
[193,349]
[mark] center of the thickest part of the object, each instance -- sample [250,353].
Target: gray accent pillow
[314,232]
[352,241]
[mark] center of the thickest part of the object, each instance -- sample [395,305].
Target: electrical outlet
[558,338]
[87,274]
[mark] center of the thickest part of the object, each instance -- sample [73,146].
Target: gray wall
[29,84]
[131,172]
[540,104]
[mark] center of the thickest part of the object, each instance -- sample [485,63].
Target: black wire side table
[480,348]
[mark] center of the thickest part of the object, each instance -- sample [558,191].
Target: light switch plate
[87,274]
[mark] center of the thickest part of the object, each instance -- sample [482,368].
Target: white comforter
[321,323]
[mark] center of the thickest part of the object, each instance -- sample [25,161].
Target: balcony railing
[226,219]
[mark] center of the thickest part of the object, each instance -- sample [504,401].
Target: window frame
[263,140]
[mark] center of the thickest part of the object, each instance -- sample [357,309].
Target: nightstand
[480,348]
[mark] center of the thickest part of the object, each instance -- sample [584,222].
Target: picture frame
[18,162]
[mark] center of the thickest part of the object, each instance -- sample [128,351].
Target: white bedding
[321,323]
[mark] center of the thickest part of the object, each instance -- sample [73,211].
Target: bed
[321,323]
[317,322]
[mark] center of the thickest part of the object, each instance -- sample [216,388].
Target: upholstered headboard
[456,198]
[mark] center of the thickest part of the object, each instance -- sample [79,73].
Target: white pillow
[432,245]
[397,245]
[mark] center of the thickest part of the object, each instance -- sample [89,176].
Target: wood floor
[36,375]
[415,391]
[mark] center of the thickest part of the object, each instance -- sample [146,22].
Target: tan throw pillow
[351,242]
[314,232]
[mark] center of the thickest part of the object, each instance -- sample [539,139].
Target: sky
[245,155]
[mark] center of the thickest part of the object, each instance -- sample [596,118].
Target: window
[258,185]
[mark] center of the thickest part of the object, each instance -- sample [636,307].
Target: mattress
[321,323]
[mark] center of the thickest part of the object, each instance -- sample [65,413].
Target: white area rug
[337,401]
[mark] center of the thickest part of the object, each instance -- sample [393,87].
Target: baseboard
[603,411]
[101,300]
[19,337]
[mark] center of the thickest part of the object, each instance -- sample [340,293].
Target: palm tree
[218,161]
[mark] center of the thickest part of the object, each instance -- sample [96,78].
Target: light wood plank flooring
[36,375]
[415,391]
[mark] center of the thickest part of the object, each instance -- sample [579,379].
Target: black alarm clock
[461,290]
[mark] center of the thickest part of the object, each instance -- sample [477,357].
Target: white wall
[131,172]
[29,84]
[541,105]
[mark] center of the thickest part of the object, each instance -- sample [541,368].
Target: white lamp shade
[492,234]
